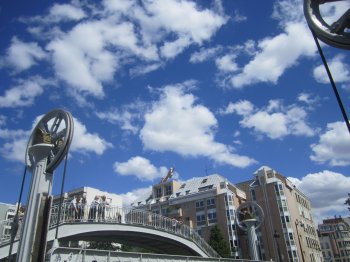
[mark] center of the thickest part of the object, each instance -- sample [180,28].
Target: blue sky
[204,87]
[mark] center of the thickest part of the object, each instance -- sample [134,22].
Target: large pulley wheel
[55,128]
[249,211]
[335,33]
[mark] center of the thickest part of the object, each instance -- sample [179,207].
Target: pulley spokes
[335,33]
[55,128]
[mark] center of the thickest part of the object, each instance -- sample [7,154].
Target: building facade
[334,236]
[7,211]
[288,232]
[89,193]
[200,203]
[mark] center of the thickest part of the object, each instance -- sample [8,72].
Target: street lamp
[300,223]
[276,236]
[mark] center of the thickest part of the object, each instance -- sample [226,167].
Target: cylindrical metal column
[252,239]
[41,187]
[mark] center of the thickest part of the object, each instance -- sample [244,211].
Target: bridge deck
[123,225]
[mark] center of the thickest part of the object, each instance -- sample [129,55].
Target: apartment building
[7,211]
[288,232]
[200,203]
[334,234]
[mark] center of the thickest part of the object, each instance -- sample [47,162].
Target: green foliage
[127,248]
[218,242]
[102,245]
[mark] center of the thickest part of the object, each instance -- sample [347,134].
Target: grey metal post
[41,187]
[253,249]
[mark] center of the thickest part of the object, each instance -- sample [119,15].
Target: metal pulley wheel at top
[335,33]
[248,211]
[55,128]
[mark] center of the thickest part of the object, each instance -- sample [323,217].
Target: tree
[103,245]
[218,243]
[347,201]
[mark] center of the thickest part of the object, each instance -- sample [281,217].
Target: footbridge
[128,226]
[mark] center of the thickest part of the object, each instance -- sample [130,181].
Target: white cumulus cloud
[136,195]
[333,145]
[15,143]
[274,121]
[126,117]
[204,54]
[125,32]
[327,191]
[176,123]
[85,142]
[65,12]
[23,93]
[140,167]
[22,56]
[339,69]
[226,63]
[275,55]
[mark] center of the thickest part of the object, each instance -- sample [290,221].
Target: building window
[230,213]
[222,185]
[253,194]
[204,180]
[182,186]
[270,175]
[211,202]
[283,221]
[187,192]
[199,204]
[212,216]
[204,188]
[291,236]
[200,217]
[165,211]
[228,200]
[277,190]
[158,192]
[168,190]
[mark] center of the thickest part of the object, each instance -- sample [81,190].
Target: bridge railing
[114,214]
[110,214]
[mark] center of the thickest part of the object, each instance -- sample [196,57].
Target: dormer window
[204,180]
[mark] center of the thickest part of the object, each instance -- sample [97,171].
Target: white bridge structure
[121,225]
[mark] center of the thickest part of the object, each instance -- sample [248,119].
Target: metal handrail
[113,214]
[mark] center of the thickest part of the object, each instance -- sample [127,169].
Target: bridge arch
[128,226]
[161,242]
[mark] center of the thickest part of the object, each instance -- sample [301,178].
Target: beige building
[89,194]
[200,203]
[7,211]
[334,236]
[288,232]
